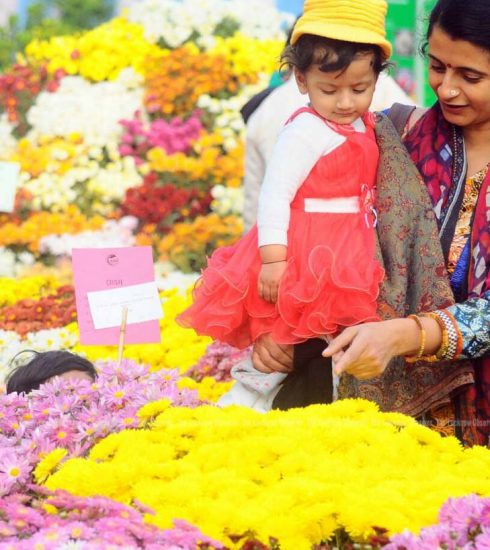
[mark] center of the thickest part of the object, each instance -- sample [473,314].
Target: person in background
[46,365]
[450,145]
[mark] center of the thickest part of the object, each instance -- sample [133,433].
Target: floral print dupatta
[437,149]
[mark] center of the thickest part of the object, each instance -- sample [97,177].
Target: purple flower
[482,541]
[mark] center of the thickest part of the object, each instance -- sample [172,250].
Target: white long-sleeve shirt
[268,120]
[299,146]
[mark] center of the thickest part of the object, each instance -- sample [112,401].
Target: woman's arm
[365,350]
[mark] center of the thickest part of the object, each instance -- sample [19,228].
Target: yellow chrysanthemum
[345,465]
[48,464]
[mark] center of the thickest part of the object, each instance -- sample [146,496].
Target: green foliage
[83,14]
[50,18]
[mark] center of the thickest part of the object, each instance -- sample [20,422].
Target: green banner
[406,25]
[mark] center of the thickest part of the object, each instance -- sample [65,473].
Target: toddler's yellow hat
[361,21]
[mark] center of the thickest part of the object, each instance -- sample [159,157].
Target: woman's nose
[448,89]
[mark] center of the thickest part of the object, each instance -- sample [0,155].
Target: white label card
[143,303]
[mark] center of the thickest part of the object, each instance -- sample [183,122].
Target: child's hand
[269,278]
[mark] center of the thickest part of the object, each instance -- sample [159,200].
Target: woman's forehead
[457,54]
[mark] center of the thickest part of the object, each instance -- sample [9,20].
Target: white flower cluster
[90,180]
[12,264]
[175,21]
[109,184]
[51,191]
[80,107]
[114,233]
[228,121]
[227,200]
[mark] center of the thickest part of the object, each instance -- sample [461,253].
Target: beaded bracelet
[423,336]
[442,351]
[455,344]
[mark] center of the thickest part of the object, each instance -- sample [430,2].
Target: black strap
[399,115]
[252,104]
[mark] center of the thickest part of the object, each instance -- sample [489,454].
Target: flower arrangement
[188,244]
[52,311]
[28,235]
[144,145]
[463,523]
[147,133]
[19,87]
[175,135]
[44,519]
[67,417]
[163,204]
[309,463]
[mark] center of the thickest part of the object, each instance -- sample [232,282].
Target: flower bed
[143,145]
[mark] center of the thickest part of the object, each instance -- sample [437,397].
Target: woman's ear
[300,81]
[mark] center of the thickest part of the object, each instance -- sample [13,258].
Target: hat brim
[340,32]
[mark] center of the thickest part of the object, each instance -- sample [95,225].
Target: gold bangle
[442,351]
[423,336]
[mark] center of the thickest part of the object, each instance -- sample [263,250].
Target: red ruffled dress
[332,277]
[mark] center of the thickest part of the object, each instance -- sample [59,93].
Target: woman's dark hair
[43,366]
[467,20]
[331,55]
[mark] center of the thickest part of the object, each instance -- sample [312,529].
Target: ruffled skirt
[331,281]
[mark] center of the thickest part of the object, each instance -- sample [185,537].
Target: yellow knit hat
[361,21]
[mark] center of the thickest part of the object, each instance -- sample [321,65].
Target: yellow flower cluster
[99,54]
[248,56]
[45,223]
[180,348]
[210,164]
[297,475]
[34,287]
[56,155]
[188,244]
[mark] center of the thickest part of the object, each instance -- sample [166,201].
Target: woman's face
[459,74]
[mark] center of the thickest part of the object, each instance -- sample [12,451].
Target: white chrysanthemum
[114,233]
[175,21]
[81,107]
[109,184]
[227,200]
[50,339]
[51,191]
[12,263]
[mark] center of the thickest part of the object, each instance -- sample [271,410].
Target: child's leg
[311,381]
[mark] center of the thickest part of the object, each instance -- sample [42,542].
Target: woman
[450,145]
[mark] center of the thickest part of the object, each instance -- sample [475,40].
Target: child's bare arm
[273,266]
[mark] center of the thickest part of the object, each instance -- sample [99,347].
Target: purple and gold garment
[440,157]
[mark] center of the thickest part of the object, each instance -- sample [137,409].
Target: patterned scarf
[437,149]
[416,280]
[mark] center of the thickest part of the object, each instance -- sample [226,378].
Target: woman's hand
[365,350]
[268,356]
[269,278]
